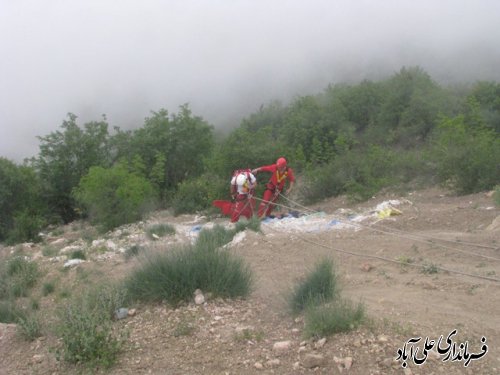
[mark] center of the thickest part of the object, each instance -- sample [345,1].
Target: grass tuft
[86,330]
[328,319]
[319,286]
[175,275]
[160,230]
[17,277]
[29,327]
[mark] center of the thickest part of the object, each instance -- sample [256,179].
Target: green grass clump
[174,276]
[78,254]
[17,276]
[215,237]
[49,251]
[327,319]
[429,268]
[86,331]
[132,251]
[318,296]
[29,327]
[320,285]
[183,328]
[9,312]
[252,224]
[48,288]
[160,230]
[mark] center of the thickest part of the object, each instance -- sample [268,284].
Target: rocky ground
[424,264]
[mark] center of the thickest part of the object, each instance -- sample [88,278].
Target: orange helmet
[281,162]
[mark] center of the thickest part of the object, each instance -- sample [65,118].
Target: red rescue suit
[242,193]
[274,187]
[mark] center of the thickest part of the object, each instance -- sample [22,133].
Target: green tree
[65,156]
[114,196]
[245,148]
[172,147]
[361,102]
[21,207]
[312,124]
[409,109]
[466,156]
[487,97]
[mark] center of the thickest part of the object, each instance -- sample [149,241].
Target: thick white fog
[223,57]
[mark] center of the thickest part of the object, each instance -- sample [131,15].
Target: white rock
[282,346]
[97,243]
[383,338]
[132,312]
[38,358]
[320,343]
[121,313]
[273,363]
[111,245]
[69,249]
[347,363]
[199,299]
[258,365]
[58,241]
[238,238]
[313,360]
[73,262]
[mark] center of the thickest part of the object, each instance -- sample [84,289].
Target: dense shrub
[160,230]
[198,193]
[17,276]
[27,226]
[21,206]
[86,329]
[65,156]
[114,196]
[320,285]
[328,319]
[466,157]
[10,312]
[29,327]
[174,276]
[357,173]
[318,295]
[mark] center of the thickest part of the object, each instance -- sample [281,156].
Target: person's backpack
[245,171]
[237,172]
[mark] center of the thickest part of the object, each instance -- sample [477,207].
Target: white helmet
[241,179]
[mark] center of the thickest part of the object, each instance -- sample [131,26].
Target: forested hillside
[351,139]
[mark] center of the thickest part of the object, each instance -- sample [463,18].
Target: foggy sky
[223,57]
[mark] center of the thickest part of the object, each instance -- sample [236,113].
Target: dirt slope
[433,288]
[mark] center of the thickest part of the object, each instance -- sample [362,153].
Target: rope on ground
[396,261]
[413,237]
[392,260]
[401,231]
[430,238]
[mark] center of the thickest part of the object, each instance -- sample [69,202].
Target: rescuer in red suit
[280,174]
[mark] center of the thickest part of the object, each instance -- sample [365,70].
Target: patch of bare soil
[432,269]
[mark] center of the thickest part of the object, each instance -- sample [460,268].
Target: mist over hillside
[226,60]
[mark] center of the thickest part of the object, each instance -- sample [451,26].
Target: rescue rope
[407,236]
[248,199]
[397,230]
[392,260]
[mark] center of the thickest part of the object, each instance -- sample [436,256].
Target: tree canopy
[348,139]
